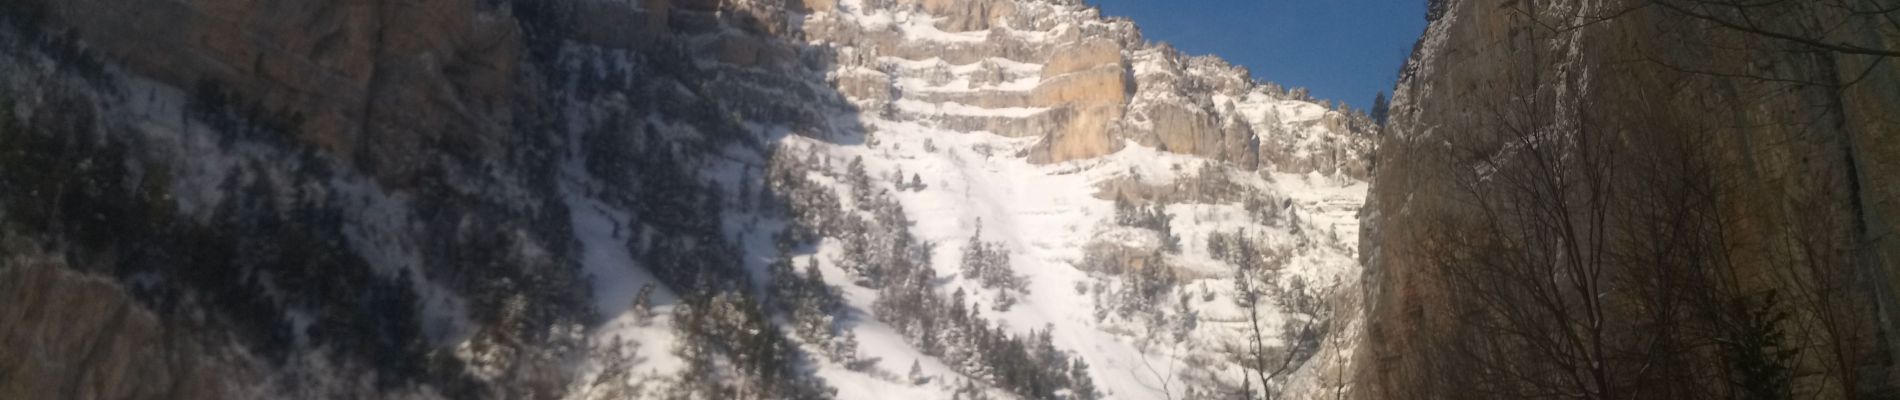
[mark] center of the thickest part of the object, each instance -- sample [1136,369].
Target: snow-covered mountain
[598,199]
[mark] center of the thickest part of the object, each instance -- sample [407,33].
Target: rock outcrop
[1795,189]
[1083,84]
[67,335]
[1093,99]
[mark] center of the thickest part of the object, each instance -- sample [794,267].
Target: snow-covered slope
[950,126]
[596,199]
[1048,217]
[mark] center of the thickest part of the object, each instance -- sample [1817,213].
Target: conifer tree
[1082,386]
[1380,108]
[643,304]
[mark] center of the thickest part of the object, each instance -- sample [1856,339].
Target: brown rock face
[66,335]
[1185,131]
[1089,53]
[1107,84]
[818,5]
[1085,135]
[363,79]
[1090,81]
[1789,208]
[1095,99]
[1205,107]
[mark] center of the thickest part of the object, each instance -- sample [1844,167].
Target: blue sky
[1339,49]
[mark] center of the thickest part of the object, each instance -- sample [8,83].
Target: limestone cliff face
[1089,82]
[1082,83]
[1800,200]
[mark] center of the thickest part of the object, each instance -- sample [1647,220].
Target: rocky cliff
[1721,189]
[591,199]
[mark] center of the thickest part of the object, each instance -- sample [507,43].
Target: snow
[960,109]
[1012,67]
[920,27]
[1036,212]
[1336,200]
[1045,215]
[1256,106]
[602,231]
[875,339]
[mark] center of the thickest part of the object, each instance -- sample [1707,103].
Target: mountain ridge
[692,199]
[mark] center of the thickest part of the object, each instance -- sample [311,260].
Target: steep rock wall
[1790,164]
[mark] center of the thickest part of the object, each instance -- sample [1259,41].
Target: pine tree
[1188,319]
[1217,246]
[917,374]
[1380,108]
[1164,224]
[1244,293]
[845,349]
[1082,386]
[783,281]
[860,181]
[643,305]
[927,340]
[1758,348]
[1124,212]
[1246,389]
[958,313]
[973,256]
[916,183]
[745,188]
[1435,9]
[1003,301]
[1046,346]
